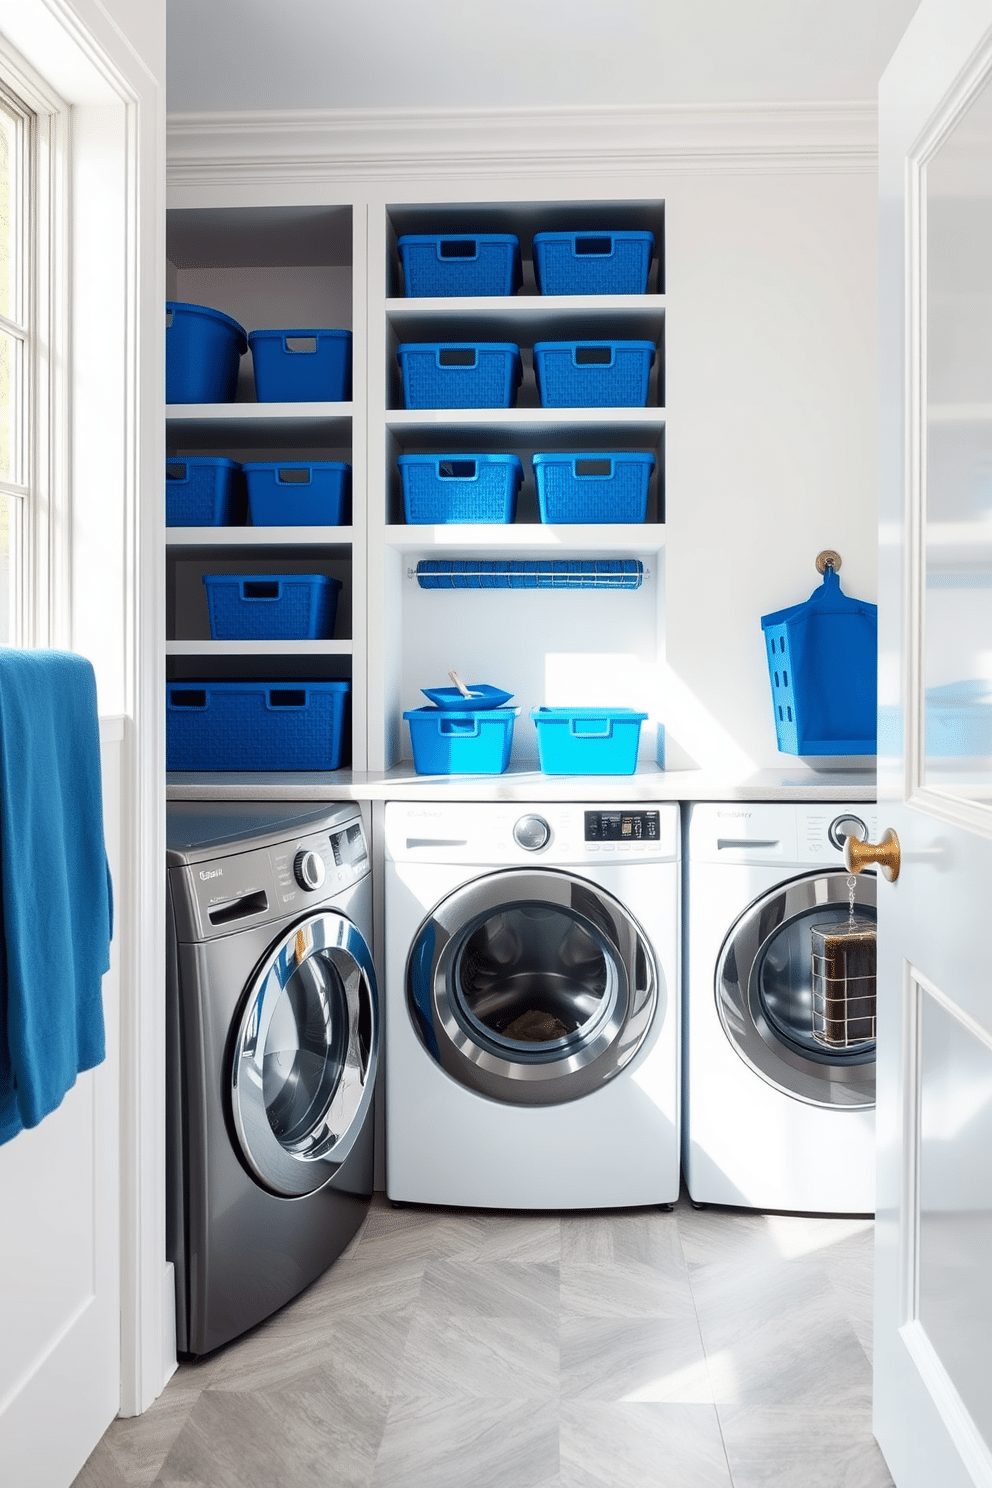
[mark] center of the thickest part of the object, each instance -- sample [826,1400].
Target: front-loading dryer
[273,1036]
[532,1004]
[772,1117]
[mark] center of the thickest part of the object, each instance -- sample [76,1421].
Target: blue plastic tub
[301,366]
[298,493]
[460,488]
[255,725]
[443,265]
[460,374]
[272,607]
[587,741]
[593,487]
[203,351]
[567,263]
[461,743]
[823,667]
[200,492]
[593,374]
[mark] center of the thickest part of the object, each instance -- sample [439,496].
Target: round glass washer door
[532,988]
[305,1056]
[764,993]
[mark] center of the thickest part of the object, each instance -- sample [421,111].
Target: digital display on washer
[622,826]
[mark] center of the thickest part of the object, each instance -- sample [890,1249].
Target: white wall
[772,416]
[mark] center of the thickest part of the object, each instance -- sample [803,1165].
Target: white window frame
[40,598]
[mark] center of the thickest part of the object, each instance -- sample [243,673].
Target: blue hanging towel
[55,893]
[823,666]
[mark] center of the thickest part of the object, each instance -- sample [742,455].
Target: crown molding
[368,144]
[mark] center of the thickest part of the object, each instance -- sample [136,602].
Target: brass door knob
[858,855]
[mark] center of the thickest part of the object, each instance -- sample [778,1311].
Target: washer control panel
[622,826]
[225,894]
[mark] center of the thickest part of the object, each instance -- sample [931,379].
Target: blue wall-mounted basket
[823,667]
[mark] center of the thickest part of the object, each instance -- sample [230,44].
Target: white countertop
[796,782]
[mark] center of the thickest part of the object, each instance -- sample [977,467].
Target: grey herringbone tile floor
[460,1349]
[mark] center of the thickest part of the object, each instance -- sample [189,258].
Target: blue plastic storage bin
[461,743]
[443,265]
[272,607]
[301,366]
[460,488]
[567,263]
[298,493]
[587,741]
[593,374]
[460,374]
[593,487]
[255,725]
[200,492]
[823,667]
[203,351]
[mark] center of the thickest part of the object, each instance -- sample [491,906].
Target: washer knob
[846,826]
[532,833]
[309,869]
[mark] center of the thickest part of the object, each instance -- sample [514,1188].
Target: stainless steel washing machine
[273,1038]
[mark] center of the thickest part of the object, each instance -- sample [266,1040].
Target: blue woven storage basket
[460,374]
[593,374]
[588,486]
[272,607]
[441,489]
[592,262]
[200,492]
[461,743]
[443,265]
[203,351]
[823,667]
[301,366]
[298,493]
[255,725]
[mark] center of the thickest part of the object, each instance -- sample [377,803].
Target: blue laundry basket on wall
[823,667]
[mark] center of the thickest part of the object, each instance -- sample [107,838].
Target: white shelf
[525,421]
[239,413]
[258,648]
[200,425]
[257,537]
[526,304]
[529,539]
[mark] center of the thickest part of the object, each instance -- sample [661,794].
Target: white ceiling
[412,54]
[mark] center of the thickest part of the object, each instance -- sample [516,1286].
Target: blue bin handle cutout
[457,248]
[593,356]
[300,345]
[261,589]
[467,470]
[286,697]
[187,697]
[592,728]
[292,475]
[592,247]
[466,728]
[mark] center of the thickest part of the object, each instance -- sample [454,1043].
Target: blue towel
[55,897]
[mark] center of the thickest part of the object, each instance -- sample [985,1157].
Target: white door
[933,1319]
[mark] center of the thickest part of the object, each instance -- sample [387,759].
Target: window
[32,355]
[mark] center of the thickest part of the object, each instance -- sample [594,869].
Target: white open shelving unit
[268,262]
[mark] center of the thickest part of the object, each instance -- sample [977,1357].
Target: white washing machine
[532,1004]
[772,1118]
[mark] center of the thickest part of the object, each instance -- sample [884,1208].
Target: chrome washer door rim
[544,1072]
[302,1164]
[837,1081]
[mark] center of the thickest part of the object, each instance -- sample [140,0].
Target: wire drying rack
[526,573]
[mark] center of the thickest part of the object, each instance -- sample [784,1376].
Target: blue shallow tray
[451,700]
